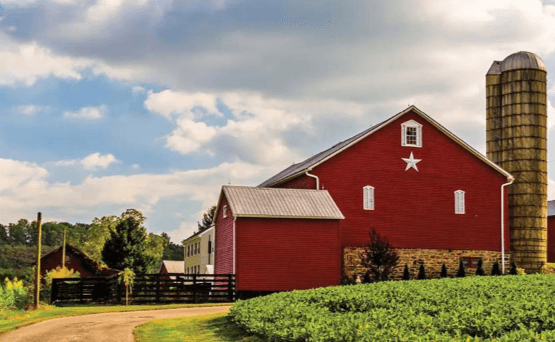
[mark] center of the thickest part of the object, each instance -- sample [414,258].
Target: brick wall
[432,258]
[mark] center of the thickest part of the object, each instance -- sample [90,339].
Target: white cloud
[30,109]
[189,135]
[96,160]
[91,162]
[138,90]
[87,113]
[24,189]
[169,103]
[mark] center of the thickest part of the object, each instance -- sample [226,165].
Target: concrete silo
[516,139]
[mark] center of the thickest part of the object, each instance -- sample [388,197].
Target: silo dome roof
[522,60]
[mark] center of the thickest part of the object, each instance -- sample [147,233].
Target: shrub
[513,270]
[548,269]
[421,272]
[495,269]
[520,271]
[510,309]
[346,280]
[406,273]
[443,273]
[366,279]
[461,273]
[13,295]
[480,268]
[379,257]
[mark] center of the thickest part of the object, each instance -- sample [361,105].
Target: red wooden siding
[73,261]
[224,239]
[287,254]
[301,182]
[415,209]
[551,239]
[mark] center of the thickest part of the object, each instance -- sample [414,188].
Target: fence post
[157,288]
[54,293]
[229,287]
[194,288]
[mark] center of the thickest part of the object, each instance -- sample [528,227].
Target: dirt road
[113,327]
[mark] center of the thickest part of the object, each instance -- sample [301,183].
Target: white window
[459,202]
[368,197]
[225,211]
[411,134]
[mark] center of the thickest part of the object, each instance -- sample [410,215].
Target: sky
[155,104]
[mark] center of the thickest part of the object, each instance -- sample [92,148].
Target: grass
[209,328]
[12,319]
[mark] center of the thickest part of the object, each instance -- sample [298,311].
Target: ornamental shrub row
[511,308]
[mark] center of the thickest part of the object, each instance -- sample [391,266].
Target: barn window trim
[225,211]
[460,202]
[411,134]
[368,197]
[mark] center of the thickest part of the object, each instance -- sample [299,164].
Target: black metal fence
[147,288]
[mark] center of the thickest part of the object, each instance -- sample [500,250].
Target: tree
[495,269]
[379,257]
[480,268]
[17,232]
[421,272]
[406,273]
[126,247]
[443,273]
[207,219]
[172,251]
[155,245]
[4,240]
[98,233]
[513,269]
[461,272]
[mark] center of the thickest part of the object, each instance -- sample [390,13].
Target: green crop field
[507,308]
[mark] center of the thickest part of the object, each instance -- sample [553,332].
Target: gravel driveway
[113,327]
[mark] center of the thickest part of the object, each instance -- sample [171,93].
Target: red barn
[435,198]
[75,260]
[551,231]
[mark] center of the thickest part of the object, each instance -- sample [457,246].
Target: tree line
[144,251]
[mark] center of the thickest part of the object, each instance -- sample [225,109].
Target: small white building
[199,252]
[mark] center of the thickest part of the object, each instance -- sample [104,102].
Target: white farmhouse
[199,252]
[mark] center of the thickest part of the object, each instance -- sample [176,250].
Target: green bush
[13,295]
[443,273]
[480,268]
[421,272]
[451,309]
[496,269]
[461,273]
[406,273]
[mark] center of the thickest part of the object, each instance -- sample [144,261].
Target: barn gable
[307,165]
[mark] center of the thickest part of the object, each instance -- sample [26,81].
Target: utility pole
[64,249]
[37,273]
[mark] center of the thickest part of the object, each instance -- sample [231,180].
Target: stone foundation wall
[432,258]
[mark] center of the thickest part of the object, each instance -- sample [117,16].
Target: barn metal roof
[173,266]
[307,165]
[246,201]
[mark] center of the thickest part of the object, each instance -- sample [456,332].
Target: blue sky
[115,104]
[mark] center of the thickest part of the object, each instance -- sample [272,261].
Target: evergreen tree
[495,269]
[421,272]
[367,279]
[379,257]
[461,273]
[207,219]
[406,273]
[4,240]
[443,273]
[126,247]
[480,268]
[513,268]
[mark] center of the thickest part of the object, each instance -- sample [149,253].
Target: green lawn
[11,320]
[209,328]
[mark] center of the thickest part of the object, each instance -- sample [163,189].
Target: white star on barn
[411,162]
